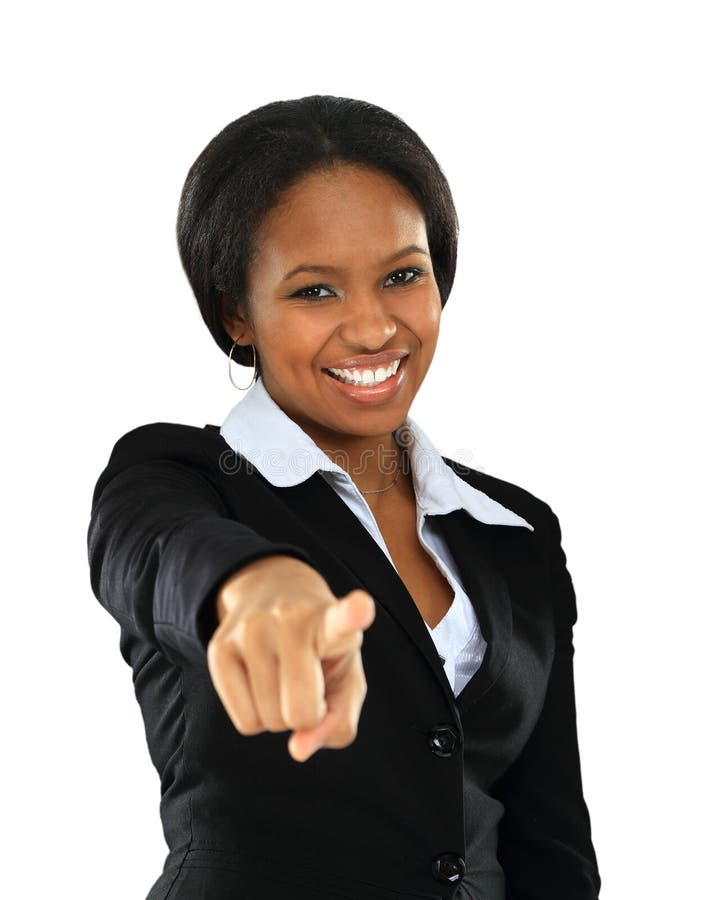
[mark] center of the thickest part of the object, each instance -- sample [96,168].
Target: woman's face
[367,288]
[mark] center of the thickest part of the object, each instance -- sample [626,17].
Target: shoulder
[547,531]
[169,440]
[169,445]
[533,509]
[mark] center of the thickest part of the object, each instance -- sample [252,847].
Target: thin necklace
[397,475]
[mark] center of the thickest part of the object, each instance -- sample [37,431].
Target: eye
[401,276]
[306,292]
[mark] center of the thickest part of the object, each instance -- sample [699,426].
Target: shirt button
[448,868]
[443,740]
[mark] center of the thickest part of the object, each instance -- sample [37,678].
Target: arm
[160,544]
[545,838]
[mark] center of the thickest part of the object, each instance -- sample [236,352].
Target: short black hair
[239,176]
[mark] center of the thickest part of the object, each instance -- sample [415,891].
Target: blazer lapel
[489,594]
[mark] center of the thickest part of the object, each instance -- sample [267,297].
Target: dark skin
[286,655]
[351,220]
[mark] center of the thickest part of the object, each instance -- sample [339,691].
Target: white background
[571,136]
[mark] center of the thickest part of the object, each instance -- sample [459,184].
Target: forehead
[338,213]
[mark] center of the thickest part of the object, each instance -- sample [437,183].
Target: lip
[371,362]
[376,394]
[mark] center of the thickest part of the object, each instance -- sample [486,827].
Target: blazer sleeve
[545,845]
[161,541]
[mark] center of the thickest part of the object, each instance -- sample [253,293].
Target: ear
[234,323]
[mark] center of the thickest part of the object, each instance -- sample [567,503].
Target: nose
[366,322]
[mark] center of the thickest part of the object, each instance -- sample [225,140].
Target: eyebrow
[411,248]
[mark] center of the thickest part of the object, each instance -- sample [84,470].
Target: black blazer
[477,796]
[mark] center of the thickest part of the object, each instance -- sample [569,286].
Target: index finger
[339,626]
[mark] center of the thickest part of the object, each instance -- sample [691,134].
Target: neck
[371,462]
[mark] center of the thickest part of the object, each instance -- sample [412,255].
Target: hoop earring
[229,368]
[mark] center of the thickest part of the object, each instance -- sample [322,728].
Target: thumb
[340,624]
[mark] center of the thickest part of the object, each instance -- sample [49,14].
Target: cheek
[293,339]
[426,316]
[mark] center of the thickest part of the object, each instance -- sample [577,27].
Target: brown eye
[400,276]
[306,292]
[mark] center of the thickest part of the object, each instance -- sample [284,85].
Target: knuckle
[302,713]
[350,734]
[346,733]
[216,645]
[279,726]
[304,722]
[249,632]
[213,653]
[274,723]
[293,614]
[356,639]
[247,726]
[342,738]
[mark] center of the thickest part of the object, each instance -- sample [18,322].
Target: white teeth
[367,376]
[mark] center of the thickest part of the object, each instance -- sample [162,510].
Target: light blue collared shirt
[259,430]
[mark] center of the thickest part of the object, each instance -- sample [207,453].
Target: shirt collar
[259,430]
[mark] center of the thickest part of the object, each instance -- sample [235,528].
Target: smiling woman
[357,222]
[353,655]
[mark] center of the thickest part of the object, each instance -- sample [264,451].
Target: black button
[448,868]
[443,740]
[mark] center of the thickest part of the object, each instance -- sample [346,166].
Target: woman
[353,656]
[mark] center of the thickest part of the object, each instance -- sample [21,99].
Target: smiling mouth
[366,377]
